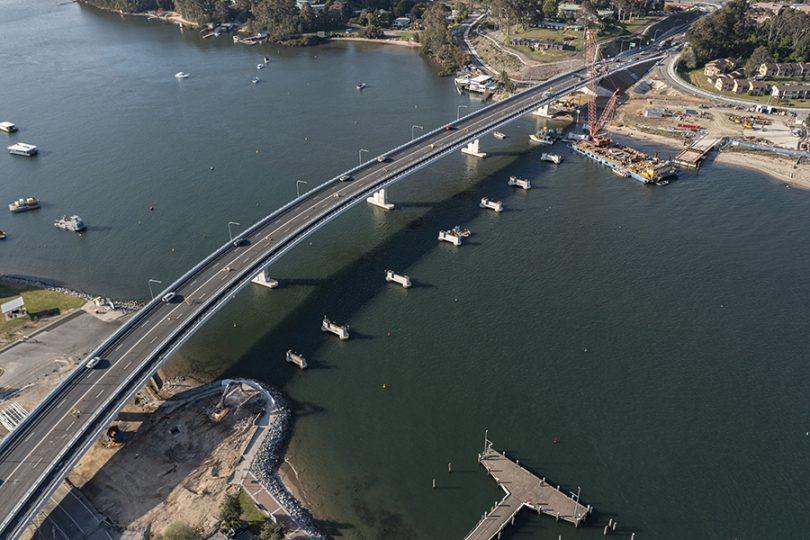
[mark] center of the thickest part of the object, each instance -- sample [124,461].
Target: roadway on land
[42,450]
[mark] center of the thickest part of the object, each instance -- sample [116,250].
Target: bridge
[37,455]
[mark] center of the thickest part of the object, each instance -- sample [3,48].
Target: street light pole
[297,186]
[230,234]
[458,111]
[360,155]
[412,128]
[150,287]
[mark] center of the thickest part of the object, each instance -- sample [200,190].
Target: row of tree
[734,32]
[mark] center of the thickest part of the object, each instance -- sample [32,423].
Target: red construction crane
[595,124]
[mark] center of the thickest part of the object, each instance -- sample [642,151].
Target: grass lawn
[637,25]
[250,513]
[36,301]
[699,79]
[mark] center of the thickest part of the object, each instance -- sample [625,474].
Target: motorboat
[181,75]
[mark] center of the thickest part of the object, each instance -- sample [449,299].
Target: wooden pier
[692,156]
[523,490]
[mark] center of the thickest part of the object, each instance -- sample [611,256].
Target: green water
[658,334]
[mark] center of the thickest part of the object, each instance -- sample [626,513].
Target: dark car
[345,178]
[451,127]
[240,242]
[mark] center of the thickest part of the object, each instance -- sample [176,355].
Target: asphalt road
[40,452]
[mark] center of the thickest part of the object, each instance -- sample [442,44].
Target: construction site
[595,144]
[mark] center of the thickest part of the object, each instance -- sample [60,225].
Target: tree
[550,9]
[279,17]
[271,531]
[231,510]
[180,531]
[761,55]
[507,83]
[437,41]
[688,59]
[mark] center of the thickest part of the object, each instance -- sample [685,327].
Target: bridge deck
[523,489]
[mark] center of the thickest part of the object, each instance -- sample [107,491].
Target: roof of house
[11,305]
[792,87]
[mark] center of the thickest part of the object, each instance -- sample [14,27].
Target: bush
[181,531]
[271,531]
[231,511]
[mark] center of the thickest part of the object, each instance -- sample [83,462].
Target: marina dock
[692,156]
[523,490]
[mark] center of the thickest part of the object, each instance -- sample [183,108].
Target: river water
[648,345]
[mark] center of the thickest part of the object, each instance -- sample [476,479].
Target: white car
[168,297]
[93,362]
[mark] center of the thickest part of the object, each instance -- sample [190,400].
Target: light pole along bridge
[41,451]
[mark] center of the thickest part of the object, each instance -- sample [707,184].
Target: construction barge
[628,162]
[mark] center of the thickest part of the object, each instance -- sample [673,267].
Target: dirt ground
[173,466]
[629,121]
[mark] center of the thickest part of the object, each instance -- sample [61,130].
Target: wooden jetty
[692,156]
[523,490]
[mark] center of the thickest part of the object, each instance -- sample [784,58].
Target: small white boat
[181,75]
[259,66]
[266,60]
[73,223]
[22,149]
[499,135]
[541,138]
[8,127]
[361,86]
[256,80]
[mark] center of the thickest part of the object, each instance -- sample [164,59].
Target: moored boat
[73,223]
[22,149]
[541,138]
[499,135]
[24,205]
[181,75]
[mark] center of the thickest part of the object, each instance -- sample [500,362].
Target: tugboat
[73,223]
[24,205]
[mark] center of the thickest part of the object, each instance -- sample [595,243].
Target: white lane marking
[310,209]
[29,436]
[99,394]
[61,403]
[153,340]
[70,425]
[116,349]
[128,364]
[193,282]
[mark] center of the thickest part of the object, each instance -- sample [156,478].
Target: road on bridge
[42,450]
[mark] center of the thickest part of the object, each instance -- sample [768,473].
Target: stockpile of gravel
[269,457]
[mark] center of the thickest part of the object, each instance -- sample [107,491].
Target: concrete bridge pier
[378,199]
[264,279]
[472,150]
[542,112]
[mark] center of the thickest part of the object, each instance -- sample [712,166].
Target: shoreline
[779,168]
[126,306]
[385,41]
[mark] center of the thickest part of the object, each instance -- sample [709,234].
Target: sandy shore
[399,42]
[782,168]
